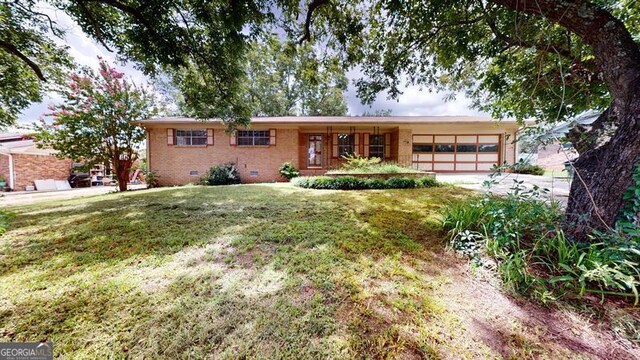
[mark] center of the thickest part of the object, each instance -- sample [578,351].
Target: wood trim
[387,145]
[232,138]
[365,144]
[272,137]
[209,137]
[356,144]
[171,137]
[334,145]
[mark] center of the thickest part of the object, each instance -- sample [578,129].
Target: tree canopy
[284,79]
[96,122]
[30,61]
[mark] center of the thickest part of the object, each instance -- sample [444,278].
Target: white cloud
[85,51]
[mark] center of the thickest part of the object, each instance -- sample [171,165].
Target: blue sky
[412,102]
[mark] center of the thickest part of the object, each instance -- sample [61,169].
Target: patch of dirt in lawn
[520,329]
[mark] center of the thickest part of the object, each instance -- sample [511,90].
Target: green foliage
[521,232]
[225,174]
[629,218]
[285,79]
[353,162]
[522,167]
[96,122]
[288,171]
[151,179]
[358,183]
[25,33]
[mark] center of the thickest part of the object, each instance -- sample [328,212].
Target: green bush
[225,174]
[526,168]
[356,183]
[521,233]
[358,162]
[288,171]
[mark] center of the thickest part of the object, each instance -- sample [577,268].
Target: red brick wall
[28,168]
[4,167]
[174,163]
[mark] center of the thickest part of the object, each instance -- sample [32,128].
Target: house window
[466,148]
[444,148]
[488,148]
[422,148]
[376,146]
[191,137]
[345,144]
[253,137]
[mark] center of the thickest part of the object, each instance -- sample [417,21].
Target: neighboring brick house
[180,150]
[21,162]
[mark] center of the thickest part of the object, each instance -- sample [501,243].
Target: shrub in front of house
[225,174]
[288,171]
[356,183]
[527,169]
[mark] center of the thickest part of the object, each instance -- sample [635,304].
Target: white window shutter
[272,136]
[170,137]
[209,136]
[232,138]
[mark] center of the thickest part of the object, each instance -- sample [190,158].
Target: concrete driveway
[558,186]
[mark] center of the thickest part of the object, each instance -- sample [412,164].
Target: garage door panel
[488,138]
[484,166]
[465,167]
[465,157]
[444,166]
[471,139]
[424,166]
[488,157]
[445,139]
[422,157]
[444,157]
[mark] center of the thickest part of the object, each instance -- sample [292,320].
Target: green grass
[267,271]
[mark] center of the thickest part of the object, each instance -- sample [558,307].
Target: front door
[314,151]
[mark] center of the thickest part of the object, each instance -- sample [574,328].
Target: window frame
[187,139]
[377,150]
[256,137]
[350,145]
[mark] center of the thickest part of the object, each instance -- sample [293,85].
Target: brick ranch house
[21,162]
[180,150]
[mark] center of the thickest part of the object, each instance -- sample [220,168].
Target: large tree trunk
[605,166]
[611,147]
[122,167]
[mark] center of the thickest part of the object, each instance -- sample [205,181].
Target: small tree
[95,123]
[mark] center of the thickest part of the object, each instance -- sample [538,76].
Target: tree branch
[14,50]
[315,4]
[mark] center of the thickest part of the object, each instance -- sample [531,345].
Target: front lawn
[268,271]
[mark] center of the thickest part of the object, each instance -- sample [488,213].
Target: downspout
[11,173]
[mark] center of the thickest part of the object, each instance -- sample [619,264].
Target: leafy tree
[547,59]
[285,79]
[30,62]
[96,122]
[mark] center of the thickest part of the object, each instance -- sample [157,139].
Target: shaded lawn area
[266,271]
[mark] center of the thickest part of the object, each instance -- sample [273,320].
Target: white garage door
[455,153]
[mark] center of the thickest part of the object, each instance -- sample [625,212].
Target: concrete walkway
[29,197]
[558,187]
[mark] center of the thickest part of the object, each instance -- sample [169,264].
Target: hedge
[354,183]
